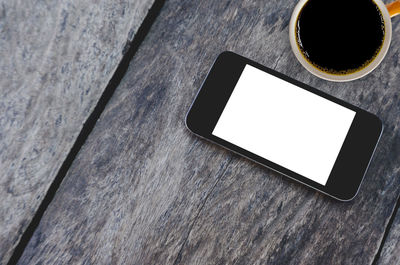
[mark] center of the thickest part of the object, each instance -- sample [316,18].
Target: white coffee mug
[387,11]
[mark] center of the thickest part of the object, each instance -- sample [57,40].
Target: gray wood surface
[144,190]
[391,249]
[56,59]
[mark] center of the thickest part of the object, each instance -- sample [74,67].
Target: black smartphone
[285,125]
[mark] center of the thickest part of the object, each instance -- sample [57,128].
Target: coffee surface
[340,37]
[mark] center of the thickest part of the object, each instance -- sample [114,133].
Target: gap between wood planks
[130,49]
[387,230]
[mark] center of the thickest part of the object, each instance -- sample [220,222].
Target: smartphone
[285,125]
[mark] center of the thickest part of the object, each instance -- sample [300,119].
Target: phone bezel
[354,157]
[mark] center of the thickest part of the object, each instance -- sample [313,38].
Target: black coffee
[340,36]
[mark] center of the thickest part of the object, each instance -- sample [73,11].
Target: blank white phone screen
[285,124]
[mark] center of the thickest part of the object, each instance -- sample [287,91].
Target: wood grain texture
[144,190]
[391,249]
[56,60]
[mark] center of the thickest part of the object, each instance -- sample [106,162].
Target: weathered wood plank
[391,249]
[255,216]
[143,190]
[56,60]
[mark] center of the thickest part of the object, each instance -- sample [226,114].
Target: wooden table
[98,167]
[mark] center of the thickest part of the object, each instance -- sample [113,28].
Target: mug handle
[393,8]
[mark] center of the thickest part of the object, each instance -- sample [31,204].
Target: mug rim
[347,77]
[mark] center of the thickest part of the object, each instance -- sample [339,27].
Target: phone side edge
[380,132]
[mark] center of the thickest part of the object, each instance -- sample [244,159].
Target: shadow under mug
[387,11]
